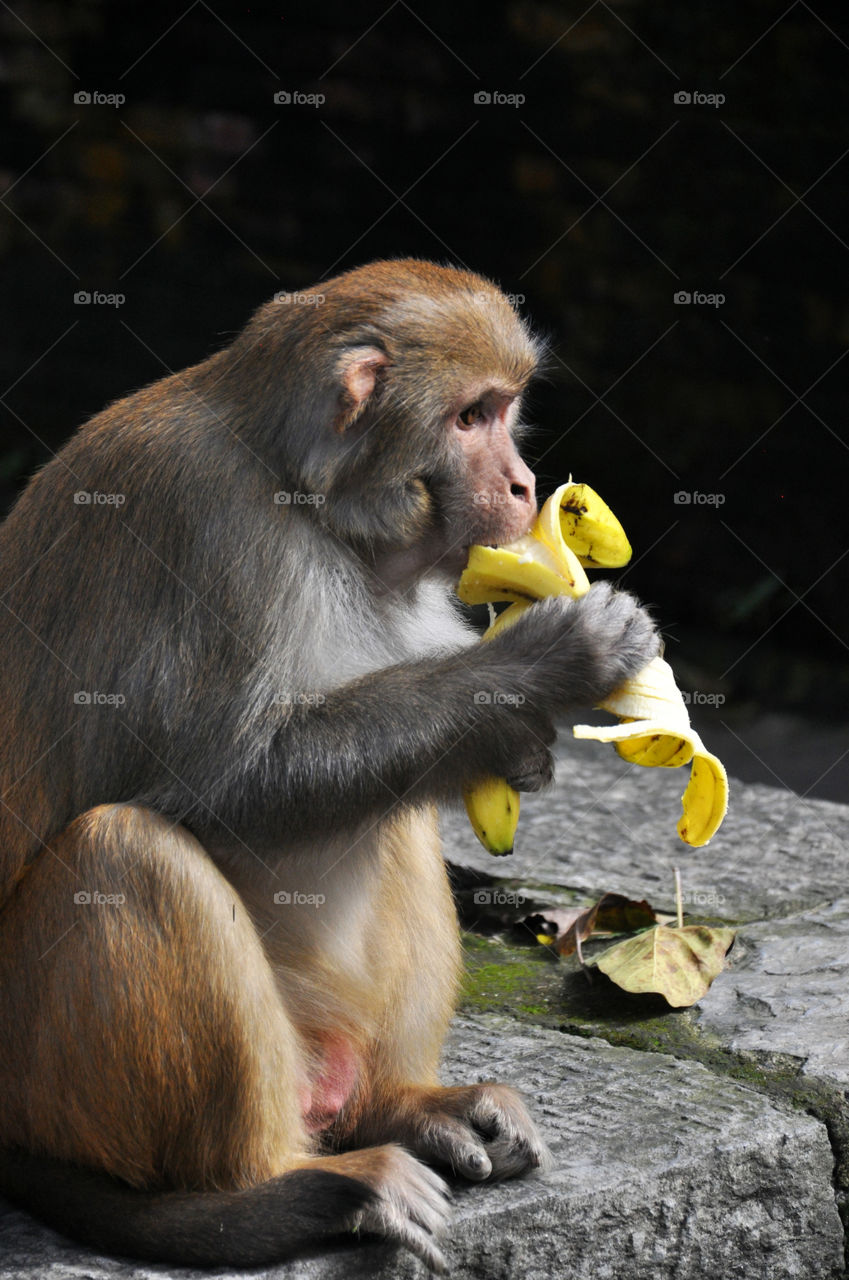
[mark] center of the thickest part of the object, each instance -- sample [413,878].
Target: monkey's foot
[409,1202]
[481,1132]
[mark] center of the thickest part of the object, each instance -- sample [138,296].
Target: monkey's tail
[251,1227]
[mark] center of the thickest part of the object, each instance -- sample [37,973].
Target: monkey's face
[485,493]
[398,402]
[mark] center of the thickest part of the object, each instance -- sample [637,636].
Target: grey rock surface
[659,1166]
[786,992]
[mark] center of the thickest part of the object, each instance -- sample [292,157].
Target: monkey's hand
[577,651]
[480,1132]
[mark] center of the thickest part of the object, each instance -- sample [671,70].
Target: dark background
[596,200]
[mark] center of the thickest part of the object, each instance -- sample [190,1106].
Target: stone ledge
[659,1165]
[689,1155]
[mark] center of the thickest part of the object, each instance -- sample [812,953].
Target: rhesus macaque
[233,685]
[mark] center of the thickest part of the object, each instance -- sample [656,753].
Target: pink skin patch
[332,1086]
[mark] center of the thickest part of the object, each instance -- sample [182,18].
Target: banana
[537,565]
[576,530]
[655,730]
[493,809]
[591,529]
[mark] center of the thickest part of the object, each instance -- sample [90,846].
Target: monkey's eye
[471,416]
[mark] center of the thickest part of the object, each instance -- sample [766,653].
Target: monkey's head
[393,391]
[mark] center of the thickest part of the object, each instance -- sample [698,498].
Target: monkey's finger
[534,773]
[411,1206]
[510,1158]
[449,1141]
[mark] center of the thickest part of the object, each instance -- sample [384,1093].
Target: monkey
[235,685]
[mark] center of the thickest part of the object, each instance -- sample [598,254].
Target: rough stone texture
[787,992]
[658,1164]
[606,824]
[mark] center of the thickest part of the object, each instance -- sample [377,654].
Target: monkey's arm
[424,730]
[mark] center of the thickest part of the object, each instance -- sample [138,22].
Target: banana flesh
[575,530]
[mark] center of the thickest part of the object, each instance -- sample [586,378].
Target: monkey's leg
[146,1043]
[478,1131]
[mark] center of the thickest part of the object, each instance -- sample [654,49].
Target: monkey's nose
[523,485]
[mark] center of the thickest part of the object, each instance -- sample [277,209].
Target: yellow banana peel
[576,529]
[655,730]
[493,809]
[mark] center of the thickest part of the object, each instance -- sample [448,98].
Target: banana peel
[574,530]
[655,730]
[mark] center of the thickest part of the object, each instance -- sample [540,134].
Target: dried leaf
[679,964]
[613,913]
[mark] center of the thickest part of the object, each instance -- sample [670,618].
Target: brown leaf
[613,913]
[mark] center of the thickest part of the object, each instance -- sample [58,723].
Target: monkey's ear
[360,368]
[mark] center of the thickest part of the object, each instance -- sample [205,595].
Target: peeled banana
[540,564]
[576,529]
